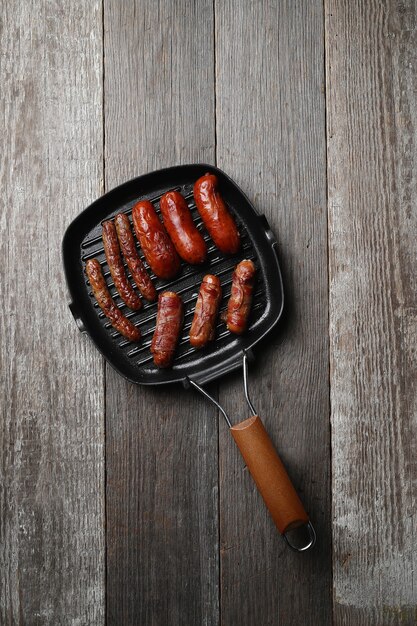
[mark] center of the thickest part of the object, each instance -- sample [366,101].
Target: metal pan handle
[77,318]
[268,471]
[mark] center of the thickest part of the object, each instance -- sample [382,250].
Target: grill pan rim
[92,328]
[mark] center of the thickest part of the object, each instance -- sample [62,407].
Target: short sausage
[137,269]
[204,322]
[155,243]
[169,322]
[240,301]
[117,269]
[107,304]
[178,221]
[216,217]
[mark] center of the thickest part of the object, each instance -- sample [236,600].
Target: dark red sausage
[106,303]
[240,301]
[169,322]
[127,244]
[178,221]
[155,243]
[117,269]
[216,217]
[204,322]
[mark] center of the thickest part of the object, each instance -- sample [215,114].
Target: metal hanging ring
[310,544]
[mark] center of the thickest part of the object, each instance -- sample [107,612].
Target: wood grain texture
[162,472]
[51,385]
[271,139]
[372,122]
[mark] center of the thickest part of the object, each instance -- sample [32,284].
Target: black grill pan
[82,241]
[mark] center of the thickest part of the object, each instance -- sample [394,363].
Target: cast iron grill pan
[83,241]
[134,361]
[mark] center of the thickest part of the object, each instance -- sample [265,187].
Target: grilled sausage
[203,326]
[169,321]
[116,267]
[107,304]
[178,221]
[127,244]
[240,301]
[155,243]
[216,217]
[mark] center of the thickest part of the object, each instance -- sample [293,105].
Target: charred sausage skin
[178,221]
[207,307]
[154,241]
[128,246]
[216,217]
[107,304]
[169,321]
[240,301]
[116,267]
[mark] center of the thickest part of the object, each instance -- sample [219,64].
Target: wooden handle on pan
[269,474]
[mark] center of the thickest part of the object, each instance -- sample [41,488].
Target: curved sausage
[203,326]
[178,221]
[127,244]
[155,243]
[169,322]
[240,301]
[116,267]
[216,217]
[107,304]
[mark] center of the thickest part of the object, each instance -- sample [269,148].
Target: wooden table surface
[131,506]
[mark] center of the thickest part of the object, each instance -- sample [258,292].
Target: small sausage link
[107,304]
[127,244]
[116,267]
[240,301]
[155,243]
[204,322]
[169,321]
[216,217]
[178,221]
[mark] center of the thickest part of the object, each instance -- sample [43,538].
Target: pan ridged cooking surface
[134,360]
[186,284]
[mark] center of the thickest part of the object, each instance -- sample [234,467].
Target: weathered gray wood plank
[372,122]
[162,487]
[51,385]
[271,139]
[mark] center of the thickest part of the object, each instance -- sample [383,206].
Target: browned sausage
[169,322]
[155,243]
[203,327]
[117,269]
[127,243]
[240,301]
[107,304]
[178,221]
[216,217]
